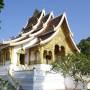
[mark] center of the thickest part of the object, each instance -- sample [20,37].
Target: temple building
[41,41]
[44,39]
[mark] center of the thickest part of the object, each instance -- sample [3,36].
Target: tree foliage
[36,11]
[1,4]
[5,85]
[84,46]
[77,66]
[78,63]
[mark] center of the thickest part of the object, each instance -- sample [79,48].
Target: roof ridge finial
[52,13]
[43,10]
[64,13]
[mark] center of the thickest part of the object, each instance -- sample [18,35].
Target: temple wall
[34,56]
[25,46]
[60,40]
[41,77]
[4,56]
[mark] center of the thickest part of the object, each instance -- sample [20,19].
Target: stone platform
[41,77]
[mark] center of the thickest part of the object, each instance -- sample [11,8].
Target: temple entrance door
[22,59]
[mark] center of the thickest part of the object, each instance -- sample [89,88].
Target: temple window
[50,55]
[47,56]
[56,51]
[62,51]
[59,51]
[45,53]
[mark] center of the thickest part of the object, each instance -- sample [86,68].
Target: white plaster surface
[46,79]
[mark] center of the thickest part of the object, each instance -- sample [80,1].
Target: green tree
[84,46]
[1,7]
[36,11]
[6,85]
[73,64]
[1,4]
[77,66]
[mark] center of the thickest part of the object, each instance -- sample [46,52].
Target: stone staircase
[42,78]
[39,77]
[24,79]
[36,79]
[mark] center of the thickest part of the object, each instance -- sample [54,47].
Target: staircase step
[30,82]
[27,87]
[25,79]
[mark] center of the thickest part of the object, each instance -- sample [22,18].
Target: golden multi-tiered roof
[42,27]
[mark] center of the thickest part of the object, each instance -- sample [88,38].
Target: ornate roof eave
[51,15]
[21,42]
[35,26]
[57,30]
[33,35]
[3,46]
[29,44]
[24,35]
[55,33]
[71,34]
[12,41]
[74,44]
[50,38]
[44,25]
[43,13]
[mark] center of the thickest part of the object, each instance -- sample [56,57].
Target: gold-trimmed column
[53,56]
[11,54]
[29,58]
[41,55]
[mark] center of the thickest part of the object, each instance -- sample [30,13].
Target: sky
[16,13]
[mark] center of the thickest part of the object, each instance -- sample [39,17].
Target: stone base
[41,77]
